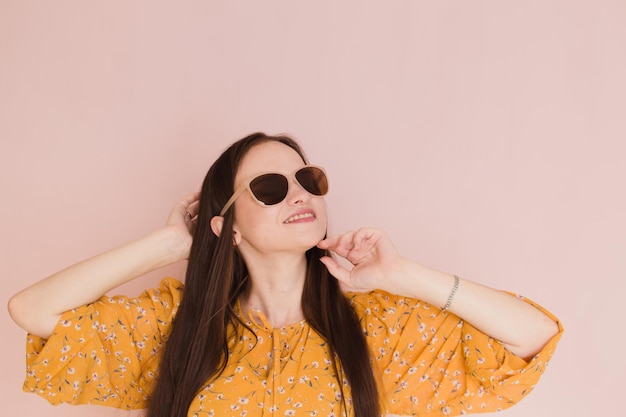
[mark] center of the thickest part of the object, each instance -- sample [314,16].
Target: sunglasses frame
[290,177]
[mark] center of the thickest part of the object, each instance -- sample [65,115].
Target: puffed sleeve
[106,352]
[432,363]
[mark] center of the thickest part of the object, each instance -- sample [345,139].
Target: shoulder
[168,287]
[381,300]
[159,303]
[167,295]
[382,304]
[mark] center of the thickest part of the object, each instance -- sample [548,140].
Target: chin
[310,240]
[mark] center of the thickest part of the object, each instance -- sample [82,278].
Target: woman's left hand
[372,254]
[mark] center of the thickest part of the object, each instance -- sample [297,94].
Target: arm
[522,328]
[88,280]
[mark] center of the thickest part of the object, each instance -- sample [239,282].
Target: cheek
[323,211]
[254,220]
[322,217]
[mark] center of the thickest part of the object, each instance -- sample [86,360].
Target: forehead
[268,157]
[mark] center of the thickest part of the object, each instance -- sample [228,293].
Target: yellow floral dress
[428,362]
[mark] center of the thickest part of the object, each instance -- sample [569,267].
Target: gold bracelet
[455,287]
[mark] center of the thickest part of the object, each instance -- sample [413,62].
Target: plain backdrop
[486,137]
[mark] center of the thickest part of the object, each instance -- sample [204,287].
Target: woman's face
[296,224]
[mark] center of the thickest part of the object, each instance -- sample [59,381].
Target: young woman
[261,325]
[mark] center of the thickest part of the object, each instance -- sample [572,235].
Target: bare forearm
[524,329]
[521,327]
[38,308]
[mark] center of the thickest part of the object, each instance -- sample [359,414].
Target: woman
[263,327]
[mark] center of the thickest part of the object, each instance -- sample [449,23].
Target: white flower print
[419,375]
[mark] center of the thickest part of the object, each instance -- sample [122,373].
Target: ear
[217,222]
[236,237]
[216,225]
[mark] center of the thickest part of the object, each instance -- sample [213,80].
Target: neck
[275,289]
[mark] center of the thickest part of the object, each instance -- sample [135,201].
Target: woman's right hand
[182,222]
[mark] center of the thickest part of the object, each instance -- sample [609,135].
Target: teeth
[298,217]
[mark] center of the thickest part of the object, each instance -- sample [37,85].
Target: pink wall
[486,137]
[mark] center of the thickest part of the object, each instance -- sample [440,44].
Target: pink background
[487,138]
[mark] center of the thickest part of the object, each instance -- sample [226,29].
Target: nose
[297,194]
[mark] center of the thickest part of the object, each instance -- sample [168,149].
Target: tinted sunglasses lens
[313,180]
[269,189]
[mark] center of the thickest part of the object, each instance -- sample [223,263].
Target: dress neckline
[257,318]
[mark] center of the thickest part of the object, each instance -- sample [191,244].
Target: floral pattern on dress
[427,362]
[433,363]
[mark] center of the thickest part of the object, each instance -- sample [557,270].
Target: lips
[301,216]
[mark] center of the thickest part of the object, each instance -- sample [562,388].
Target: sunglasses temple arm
[231,200]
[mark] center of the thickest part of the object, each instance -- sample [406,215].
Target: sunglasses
[272,188]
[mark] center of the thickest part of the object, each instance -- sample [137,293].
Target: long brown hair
[197,348]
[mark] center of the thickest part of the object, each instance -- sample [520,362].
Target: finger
[185,210]
[337,243]
[189,199]
[365,238]
[193,209]
[345,245]
[357,245]
[336,270]
[188,206]
[328,242]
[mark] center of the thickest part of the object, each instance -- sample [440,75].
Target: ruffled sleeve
[106,352]
[432,363]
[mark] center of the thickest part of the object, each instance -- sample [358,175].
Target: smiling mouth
[299,217]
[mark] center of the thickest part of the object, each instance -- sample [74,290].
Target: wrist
[417,281]
[404,278]
[167,246]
